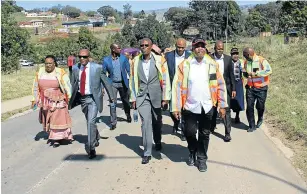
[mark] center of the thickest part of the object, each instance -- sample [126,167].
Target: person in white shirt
[174,58]
[198,87]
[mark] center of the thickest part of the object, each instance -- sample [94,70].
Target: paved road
[249,164]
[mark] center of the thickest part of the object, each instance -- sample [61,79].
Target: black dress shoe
[192,159]
[259,123]
[92,154]
[56,144]
[251,129]
[129,119]
[202,167]
[237,120]
[158,146]
[113,127]
[97,144]
[227,138]
[146,159]
[183,138]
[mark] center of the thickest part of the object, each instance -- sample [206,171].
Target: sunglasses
[84,57]
[144,45]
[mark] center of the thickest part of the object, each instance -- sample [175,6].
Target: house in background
[32,24]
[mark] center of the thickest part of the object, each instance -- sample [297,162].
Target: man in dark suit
[87,80]
[118,68]
[225,68]
[174,58]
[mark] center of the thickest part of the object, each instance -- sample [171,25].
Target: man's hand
[177,115]
[133,105]
[233,94]
[222,113]
[33,104]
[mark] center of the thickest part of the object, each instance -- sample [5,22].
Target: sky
[137,5]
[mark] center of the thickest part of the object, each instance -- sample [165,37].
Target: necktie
[82,82]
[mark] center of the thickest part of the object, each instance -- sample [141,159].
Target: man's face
[116,49]
[246,55]
[146,47]
[199,50]
[219,49]
[180,47]
[84,57]
[235,56]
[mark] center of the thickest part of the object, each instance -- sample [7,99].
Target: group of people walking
[194,86]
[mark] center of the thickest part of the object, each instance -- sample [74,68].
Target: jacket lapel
[151,69]
[225,65]
[141,72]
[174,62]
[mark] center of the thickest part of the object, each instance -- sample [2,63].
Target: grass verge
[7,115]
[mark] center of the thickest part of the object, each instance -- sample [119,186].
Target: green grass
[7,115]
[17,85]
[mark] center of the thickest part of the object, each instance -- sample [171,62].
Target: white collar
[222,57]
[176,54]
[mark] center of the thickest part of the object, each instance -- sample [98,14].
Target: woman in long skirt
[51,94]
[237,104]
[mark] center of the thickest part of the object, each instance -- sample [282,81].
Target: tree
[107,11]
[86,39]
[14,45]
[153,29]
[211,17]
[179,18]
[127,11]
[91,13]
[294,15]
[128,34]
[72,12]
[255,21]
[55,9]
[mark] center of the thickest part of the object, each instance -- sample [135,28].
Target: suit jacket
[157,85]
[97,79]
[171,63]
[228,74]
[124,67]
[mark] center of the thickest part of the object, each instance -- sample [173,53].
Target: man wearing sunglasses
[198,87]
[87,80]
[150,90]
[225,68]
[118,67]
[174,58]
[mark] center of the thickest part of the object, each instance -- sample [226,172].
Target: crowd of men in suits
[194,86]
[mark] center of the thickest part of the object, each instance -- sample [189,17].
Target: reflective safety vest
[262,68]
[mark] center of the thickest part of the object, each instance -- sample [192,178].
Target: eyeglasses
[84,57]
[48,63]
[144,45]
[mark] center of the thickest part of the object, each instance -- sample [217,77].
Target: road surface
[251,163]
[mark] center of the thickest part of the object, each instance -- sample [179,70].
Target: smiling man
[87,80]
[198,87]
[150,90]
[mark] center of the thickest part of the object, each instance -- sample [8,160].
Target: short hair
[52,57]
[147,39]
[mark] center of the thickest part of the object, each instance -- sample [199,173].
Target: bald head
[84,55]
[115,49]
[248,53]
[181,44]
[219,48]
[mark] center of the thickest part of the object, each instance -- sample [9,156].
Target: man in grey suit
[150,89]
[87,80]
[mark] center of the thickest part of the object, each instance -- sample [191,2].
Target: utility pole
[226,31]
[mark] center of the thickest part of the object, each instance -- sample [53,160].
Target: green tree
[91,13]
[107,11]
[127,11]
[255,23]
[128,33]
[294,15]
[14,44]
[86,39]
[72,12]
[179,18]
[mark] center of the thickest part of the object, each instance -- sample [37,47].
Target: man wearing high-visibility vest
[257,71]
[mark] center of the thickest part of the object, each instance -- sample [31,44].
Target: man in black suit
[174,58]
[225,68]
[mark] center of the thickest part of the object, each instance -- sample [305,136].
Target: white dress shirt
[220,61]
[199,95]
[87,80]
[178,59]
[146,67]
